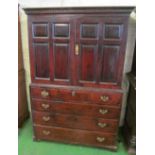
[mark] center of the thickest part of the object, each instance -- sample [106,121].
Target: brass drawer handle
[44,93]
[73,93]
[103,111]
[46,118]
[104,98]
[45,106]
[102,125]
[100,139]
[45,132]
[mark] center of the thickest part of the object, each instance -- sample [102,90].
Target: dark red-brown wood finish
[76,60]
[100,40]
[76,108]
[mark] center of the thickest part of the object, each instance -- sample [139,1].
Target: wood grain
[74,136]
[75,121]
[76,108]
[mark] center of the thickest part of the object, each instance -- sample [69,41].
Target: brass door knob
[73,93]
[104,98]
[45,106]
[46,132]
[102,125]
[100,139]
[46,118]
[44,93]
[76,49]
[103,111]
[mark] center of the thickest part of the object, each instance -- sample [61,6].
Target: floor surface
[26,146]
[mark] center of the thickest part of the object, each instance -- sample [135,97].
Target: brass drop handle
[104,98]
[100,139]
[44,93]
[73,93]
[102,125]
[45,132]
[46,118]
[76,49]
[103,111]
[45,106]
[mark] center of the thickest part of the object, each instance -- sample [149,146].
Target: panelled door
[52,43]
[100,50]
[88,36]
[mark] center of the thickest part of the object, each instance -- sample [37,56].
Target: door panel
[88,62]
[61,61]
[109,63]
[40,30]
[113,31]
[61,30]
[41,60]
[89,31]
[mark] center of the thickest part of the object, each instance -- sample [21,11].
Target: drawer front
[74,136]
[55,94]
[82,109]
[75,122]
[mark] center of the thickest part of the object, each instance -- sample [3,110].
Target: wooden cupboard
[77,59]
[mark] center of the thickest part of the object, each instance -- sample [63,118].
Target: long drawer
[73,136]
[68,94]
[75,122]
[78,108]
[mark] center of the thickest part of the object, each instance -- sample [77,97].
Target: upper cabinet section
[70,48]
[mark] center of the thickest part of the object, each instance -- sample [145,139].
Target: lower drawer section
[75,122]
[92,138]
[78,108]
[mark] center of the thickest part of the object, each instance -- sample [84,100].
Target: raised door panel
[61,30]
[113,31]
[41,55]
[61,61]
[110,55]
[88,62]
[89,31]
[40,30]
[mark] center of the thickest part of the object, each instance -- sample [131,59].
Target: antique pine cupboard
[77,59]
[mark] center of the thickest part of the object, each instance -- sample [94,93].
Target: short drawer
[73,136]
[75,122]
[62,94]
[77,108]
